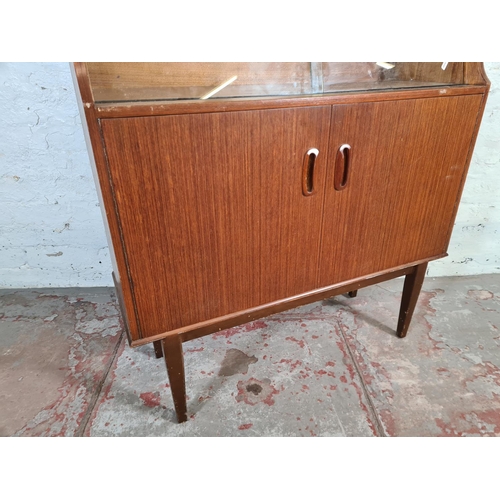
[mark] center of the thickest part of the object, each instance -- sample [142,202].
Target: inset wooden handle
[308,172]
[342,163]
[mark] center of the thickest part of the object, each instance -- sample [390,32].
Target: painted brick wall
[51,227]
[51,231]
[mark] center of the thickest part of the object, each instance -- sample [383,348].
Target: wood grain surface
[213,215]
[407,161]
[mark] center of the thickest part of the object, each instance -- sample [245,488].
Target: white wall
[51,231]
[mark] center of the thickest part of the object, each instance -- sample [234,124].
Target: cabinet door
[405,169]
[212,212]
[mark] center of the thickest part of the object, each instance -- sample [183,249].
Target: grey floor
[332,368]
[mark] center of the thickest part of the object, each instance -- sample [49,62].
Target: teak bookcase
[229,199]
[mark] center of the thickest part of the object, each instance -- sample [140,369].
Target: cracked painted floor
[332,368]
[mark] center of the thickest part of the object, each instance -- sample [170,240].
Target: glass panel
[383,75]
[125,82]
[159,81]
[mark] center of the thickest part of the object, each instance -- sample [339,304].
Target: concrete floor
[333,368]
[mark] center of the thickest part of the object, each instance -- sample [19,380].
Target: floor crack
[378,424]
[80,432]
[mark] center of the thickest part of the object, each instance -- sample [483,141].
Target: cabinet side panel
[97,158]
[213,215]
[406,168]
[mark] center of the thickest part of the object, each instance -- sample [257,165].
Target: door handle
[308,172]
[342,164]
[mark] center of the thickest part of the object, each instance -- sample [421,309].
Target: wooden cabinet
[228,209]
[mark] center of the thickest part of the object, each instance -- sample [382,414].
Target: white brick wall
[51,231]
[51,227]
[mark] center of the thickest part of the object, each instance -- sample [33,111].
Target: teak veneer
[225,210]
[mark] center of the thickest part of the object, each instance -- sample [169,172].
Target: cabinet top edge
[158,108]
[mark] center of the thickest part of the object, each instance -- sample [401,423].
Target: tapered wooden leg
[174,359]
[353,293]
[411,291]
[158,349]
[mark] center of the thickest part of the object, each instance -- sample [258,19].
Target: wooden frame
[169,343]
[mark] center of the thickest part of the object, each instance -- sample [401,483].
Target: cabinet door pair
[216,212]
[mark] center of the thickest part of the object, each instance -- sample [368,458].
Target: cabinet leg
[174,359]
[411,291]
[158,349]
[353,294]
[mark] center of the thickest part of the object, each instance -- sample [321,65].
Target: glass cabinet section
[135,82]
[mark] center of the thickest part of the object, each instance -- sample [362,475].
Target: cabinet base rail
[169,345]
